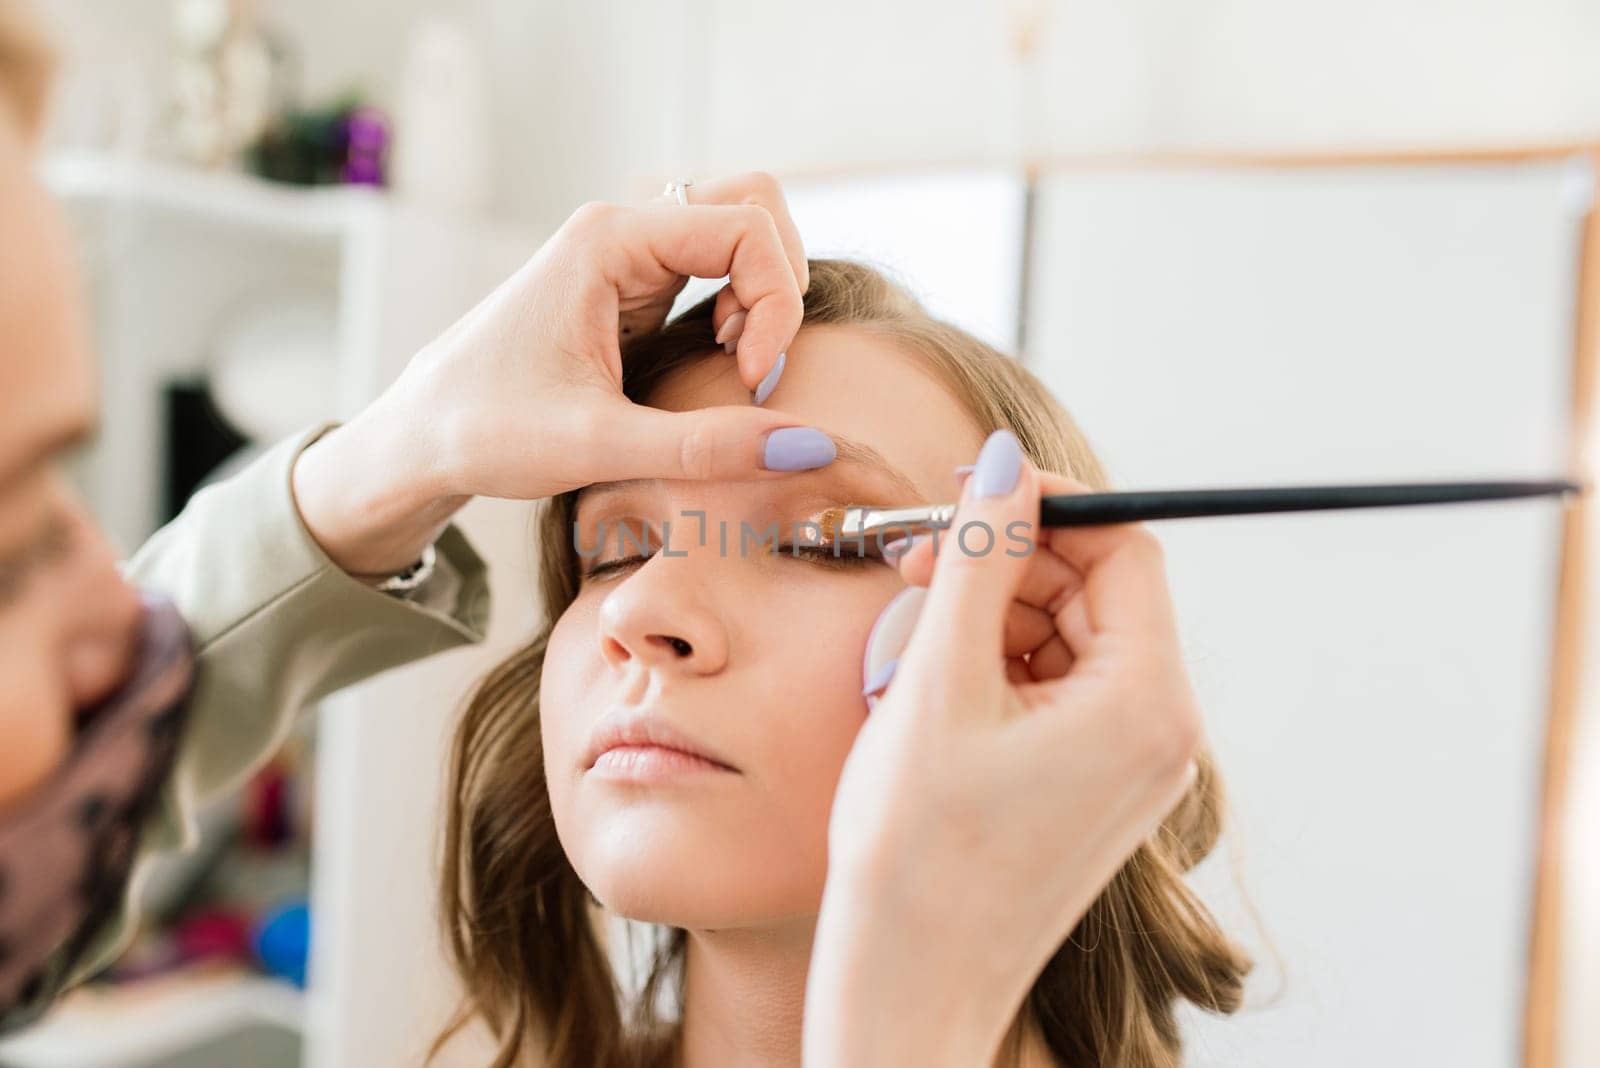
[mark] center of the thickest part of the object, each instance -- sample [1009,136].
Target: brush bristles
[831,524]
[855,523]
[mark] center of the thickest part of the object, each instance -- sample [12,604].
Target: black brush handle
[1087,509]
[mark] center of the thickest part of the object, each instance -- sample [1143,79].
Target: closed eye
[840,556]
[607,567]
[50,546]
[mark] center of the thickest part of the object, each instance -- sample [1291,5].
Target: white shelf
[150,1022]
[218,197]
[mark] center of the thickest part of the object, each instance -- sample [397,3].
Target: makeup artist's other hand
[988,798]
[522,398]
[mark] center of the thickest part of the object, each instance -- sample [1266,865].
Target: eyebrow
[851,452]
[41,452]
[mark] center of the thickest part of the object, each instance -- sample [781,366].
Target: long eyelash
[831,555]
[826,555]
[606,567]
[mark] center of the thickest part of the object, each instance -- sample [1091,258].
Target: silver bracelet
[411,577]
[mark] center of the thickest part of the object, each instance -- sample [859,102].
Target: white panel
[1375,681]
[954,239]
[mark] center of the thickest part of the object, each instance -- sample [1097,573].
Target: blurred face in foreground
[67,619]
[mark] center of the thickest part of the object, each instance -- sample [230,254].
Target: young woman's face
[753,657]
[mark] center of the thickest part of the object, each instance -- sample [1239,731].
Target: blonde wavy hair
[27,65]
[521,926]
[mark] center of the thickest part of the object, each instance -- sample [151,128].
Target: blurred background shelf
[104,181]
[179,260]
[183,1021]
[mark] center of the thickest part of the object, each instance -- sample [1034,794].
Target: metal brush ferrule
[863,523]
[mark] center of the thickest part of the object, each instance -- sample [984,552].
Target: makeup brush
[859,524]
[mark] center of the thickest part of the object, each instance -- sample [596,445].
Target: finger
[1027,629]
[977,575]
[725,443]
[709,241]
[914,556]
[765,191]
[727,319]
[1072,623]
[1051,660]
[1122,568]
[1048,581]
[1028,624]
[1083,546]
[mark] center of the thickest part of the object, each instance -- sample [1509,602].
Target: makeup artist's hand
[988,798]
[522,397]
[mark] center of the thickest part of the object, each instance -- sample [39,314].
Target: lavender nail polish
[999,465]
[880,678]
[770,383]
[887,639]
[732,327]
[797,448]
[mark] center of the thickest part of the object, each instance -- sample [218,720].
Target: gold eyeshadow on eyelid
[790,503]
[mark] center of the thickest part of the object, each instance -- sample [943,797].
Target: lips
[617,730]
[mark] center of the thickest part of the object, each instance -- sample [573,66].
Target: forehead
[855,383]
[46,375]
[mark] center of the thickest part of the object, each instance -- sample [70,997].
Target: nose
[660,618]
[104,615]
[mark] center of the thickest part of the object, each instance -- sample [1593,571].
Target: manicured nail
[770,383]
[732,328]
[962,472]
[880,678]
[999,465]
[731,347]
[887,639]
[894,550]
[797,448]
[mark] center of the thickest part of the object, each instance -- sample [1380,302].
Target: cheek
[811,706]
[35,710]
[804,718]
[571,665]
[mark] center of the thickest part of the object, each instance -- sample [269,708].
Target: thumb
[980,561]
[733,442]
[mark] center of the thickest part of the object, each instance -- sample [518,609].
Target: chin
[658,874]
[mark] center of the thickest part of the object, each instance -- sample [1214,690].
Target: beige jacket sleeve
[277,625]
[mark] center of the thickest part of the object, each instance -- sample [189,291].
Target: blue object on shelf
[283,941]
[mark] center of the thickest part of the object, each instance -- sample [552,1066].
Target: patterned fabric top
[67,850]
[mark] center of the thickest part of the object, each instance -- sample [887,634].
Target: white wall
[590,95]
[1376,683]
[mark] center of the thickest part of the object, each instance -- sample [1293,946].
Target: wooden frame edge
[1033,168]
[1541,1040]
